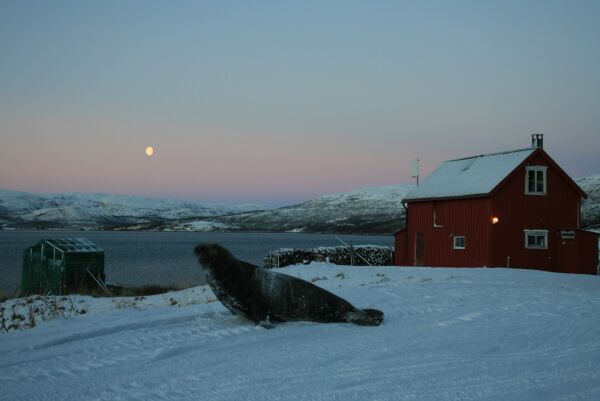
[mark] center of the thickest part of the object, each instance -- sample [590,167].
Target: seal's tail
[366,317]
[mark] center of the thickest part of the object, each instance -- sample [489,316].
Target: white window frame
[464,242]
[536,169]
[536,233]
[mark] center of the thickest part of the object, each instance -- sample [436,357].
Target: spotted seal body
[265,295]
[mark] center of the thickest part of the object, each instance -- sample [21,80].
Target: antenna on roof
[537,141]
[414,169]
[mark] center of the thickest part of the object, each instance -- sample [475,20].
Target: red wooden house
[511,209]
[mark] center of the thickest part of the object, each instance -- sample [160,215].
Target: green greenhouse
[61,266]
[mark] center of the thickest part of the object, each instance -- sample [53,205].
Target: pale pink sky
[277,103]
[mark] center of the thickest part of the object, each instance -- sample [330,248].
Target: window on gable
[536,239]
[459,242]
[535,180]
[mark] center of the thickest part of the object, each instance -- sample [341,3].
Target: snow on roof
[74,245]
[471,176]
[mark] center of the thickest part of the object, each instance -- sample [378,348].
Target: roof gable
[469,177]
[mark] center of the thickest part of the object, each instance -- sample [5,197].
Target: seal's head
[208,254]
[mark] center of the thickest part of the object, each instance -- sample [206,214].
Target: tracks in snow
[126,346]
[443,338]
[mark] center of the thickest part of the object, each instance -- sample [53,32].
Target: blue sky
[278,102]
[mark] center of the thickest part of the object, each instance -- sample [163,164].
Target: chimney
[537,141]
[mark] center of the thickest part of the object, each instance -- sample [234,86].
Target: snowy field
[449,334]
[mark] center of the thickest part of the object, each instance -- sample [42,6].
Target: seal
[262,295]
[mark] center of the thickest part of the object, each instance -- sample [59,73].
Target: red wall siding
[462,217]
[400,255]
[578,255]
[517,211]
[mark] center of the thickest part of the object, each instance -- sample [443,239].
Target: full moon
[149,150]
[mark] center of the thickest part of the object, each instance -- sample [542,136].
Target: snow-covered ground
[449,334]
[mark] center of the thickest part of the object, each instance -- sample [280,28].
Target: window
[535,180]
[459,242]
[536,239]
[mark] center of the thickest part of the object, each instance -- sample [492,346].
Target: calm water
[139,258]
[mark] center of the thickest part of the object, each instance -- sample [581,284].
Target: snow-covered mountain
[590,207]
[366,210]
[375,210]
[101,211]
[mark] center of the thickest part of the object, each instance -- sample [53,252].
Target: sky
[279,102]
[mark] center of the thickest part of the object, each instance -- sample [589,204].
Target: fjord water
[165,258]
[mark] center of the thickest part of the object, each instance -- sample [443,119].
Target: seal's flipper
[365,317]
[265,324]
[375,314]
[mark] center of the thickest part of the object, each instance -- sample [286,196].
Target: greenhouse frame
[62,266]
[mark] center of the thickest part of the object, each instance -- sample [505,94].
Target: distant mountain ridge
[101,211]
[375,210]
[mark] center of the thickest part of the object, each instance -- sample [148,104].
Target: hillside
[366,210]
[590,208]
[100,211]
[376,210]
[448,334]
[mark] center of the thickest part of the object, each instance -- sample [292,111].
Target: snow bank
[449,334]
[29,312]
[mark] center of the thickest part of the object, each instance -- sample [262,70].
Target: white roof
[470,176]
